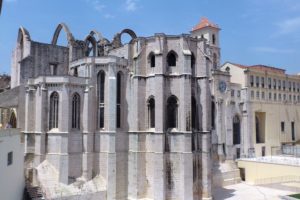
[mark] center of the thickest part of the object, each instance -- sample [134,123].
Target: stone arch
[63,26]
[236,129]
[89,39]
[23,37]
[96,34]
[117,39]
[129,32]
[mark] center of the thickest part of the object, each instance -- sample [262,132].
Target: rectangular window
[284,97]
[257,94]
[262,82]
[238,93]
[251,81]
[10,158]
[283,85]
[274,83]
[290,97]
[290,86]
[293,130]
[257,81]
[275,96]
[263,95]
[270,96]
[282,126]
[252,94]
[279,97]
[270,83]
[298,87]
[294,98]
[232,93]
[279,84]
[53,69]
[294,86]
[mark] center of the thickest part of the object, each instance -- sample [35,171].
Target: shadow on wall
[221,193]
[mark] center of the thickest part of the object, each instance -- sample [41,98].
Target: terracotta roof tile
[261,68]
[204,22]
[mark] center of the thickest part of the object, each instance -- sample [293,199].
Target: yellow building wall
[265,173]
[275,113]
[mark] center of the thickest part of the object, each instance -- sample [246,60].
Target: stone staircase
[226,173]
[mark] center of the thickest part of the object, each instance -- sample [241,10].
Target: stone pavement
[243,191]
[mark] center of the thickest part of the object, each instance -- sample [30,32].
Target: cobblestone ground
[243,191]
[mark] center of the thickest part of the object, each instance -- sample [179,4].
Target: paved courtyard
[243,191]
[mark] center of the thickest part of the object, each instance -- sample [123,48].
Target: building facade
[261,105]
[137,115]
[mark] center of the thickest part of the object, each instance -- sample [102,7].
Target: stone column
[64,127]
[220,128]
[40,119]
[88,135]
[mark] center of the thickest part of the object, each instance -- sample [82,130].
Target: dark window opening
[75,71]
[282,126]
[152,60]
[236,130]
[171,59]
[53,118]
[119,80]
[101,105]
[213,115]
[195,118]
[151,112]
[293,130]
[76,111]
[213,39]
[10,158]
[192,61]
[172,112]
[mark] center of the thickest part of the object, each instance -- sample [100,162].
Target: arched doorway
[13,120]
[236,130]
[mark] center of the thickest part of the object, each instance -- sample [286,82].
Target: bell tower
[209,31]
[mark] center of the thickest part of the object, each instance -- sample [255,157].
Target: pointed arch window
[76,111]
[100,93]
[54,106]
[193,61]
[236,130]
[172,112]
[195,118]
[151,59]
[171,59]
[151,112]
[119,82]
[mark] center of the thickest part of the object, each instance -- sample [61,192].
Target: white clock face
[222,86]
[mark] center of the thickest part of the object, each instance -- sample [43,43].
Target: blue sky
[253,31]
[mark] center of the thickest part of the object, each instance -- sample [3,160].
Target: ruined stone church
[109,120]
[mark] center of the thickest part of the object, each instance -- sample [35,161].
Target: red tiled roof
[204,22]
[261,68]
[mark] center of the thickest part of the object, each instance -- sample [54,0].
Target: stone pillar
[220,128]
[64,127]
[40,120]
[107,138]
[206,166]
[88,135]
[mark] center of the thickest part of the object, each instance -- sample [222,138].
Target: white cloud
[109,16]
[289,26]
[273,50]
[96,4]
[131,5]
